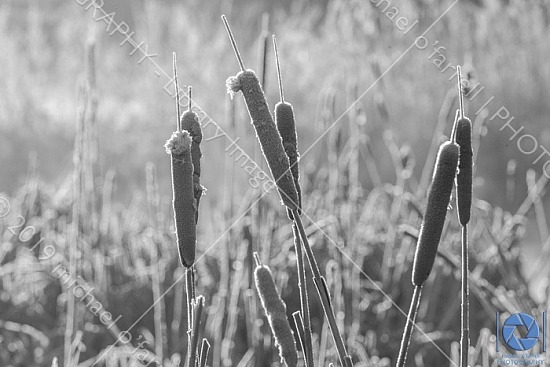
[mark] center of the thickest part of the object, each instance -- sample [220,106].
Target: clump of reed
[266,131]
[184,148]
[279,164]
[439,196]
[275,310]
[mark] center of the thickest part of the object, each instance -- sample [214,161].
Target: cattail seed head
[275,309]
[436,210]
[266,132]
[179,147]
[286,125]
[463,136]
[284,116]
[190,122]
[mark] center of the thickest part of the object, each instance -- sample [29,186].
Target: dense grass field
[89,268]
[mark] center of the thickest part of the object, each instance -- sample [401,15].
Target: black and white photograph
[295,183]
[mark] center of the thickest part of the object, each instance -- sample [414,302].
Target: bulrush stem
[263,47]
[233,43]
[299,323]
[465,305]
[205,348]
[189,291]
[304,299]
[279,77]
[465,169]
[178,113]
[189,98]
[198,305]
[323,292]
[460,94]
[415,302]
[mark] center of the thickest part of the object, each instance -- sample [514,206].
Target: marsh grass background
[328,50]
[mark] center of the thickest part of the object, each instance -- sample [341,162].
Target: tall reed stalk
[183,149]
[286,125]
[439,196]
[324,295]
[75,232]
[463,136]
[279,164]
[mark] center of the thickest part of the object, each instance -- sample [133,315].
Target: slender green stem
[465,305]
[324,294]
[304,300]
[415,302]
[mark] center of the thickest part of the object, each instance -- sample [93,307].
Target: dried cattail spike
[266,131]
[179,147]
[190,122]
[436,210]
[465,167]
[463,137]
[275,309]
[286,125]
[270,140]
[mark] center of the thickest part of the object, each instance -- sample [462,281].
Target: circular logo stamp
[520,331]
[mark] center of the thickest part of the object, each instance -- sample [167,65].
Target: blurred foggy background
[326,47]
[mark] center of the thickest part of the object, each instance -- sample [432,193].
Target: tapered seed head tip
[179,142]
[447,157]
[464,133]
[271,300]
[284,109]
[286,125]
[190,122]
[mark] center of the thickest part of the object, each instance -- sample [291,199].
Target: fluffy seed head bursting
[436,211]
[266,132]
[179,142]
[275,309]
[463,136]
[179,147]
